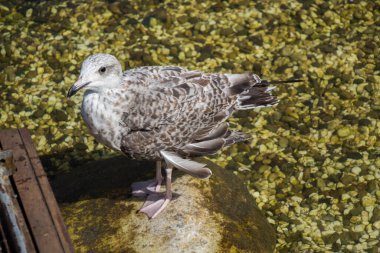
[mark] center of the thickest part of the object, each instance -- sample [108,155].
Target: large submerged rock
[213,215]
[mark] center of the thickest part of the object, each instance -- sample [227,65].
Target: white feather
[193,168]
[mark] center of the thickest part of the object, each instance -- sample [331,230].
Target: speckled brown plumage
[168,108]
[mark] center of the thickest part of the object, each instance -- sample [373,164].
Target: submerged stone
[344,132]
[59,115]
[10,73]
[213,215]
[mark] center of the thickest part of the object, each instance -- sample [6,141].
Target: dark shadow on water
[107,178]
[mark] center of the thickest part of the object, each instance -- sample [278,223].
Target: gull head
[98,73]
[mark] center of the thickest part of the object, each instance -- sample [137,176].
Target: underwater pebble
[59,115]
[356,170]
[283,142]
[10,73]
[368,200]
[344,132]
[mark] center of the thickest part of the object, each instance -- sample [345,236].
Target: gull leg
[159,176]
[143,188]
[156,202]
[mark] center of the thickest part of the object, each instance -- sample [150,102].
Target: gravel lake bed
[313,163]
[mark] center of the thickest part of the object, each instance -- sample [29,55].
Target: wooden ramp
[29,214]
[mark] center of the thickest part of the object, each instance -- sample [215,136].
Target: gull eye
[102,70]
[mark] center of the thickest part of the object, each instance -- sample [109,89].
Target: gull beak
[76,87]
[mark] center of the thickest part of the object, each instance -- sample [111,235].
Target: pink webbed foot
[143,188]
[156,202]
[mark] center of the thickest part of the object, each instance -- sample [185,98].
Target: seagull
[165,113]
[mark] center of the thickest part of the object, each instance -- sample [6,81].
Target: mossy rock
[213,215]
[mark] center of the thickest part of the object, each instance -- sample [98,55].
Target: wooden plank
[34,205]
[22,224]
[47,191]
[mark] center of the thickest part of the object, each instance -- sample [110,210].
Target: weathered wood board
[33,202]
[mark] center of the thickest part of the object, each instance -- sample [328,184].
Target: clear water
[313,163]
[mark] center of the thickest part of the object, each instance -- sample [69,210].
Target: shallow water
[314,159]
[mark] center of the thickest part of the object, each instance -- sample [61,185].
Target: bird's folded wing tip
[193,168]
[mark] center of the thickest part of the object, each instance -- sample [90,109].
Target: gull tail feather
[266,82]
[260,94]
[192,168]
